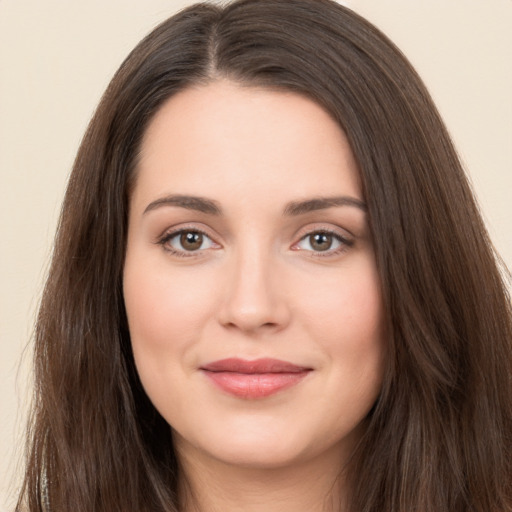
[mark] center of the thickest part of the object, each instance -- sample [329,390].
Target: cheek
[158,301]
[166,313]
[345,316]
[350,306]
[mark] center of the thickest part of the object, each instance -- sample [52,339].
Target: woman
[271,287]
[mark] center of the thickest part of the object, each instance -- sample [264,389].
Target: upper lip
[255,366]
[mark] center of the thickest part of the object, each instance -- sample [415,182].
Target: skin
[257,286]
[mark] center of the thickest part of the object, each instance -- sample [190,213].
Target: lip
[254,379]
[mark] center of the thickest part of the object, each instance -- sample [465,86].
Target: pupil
[191,240]
[321,241]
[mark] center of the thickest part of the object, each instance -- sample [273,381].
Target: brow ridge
[200,204]
[294,208]
[321,203]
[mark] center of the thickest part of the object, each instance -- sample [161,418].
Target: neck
[210,485]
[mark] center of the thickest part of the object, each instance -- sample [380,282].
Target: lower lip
[255,385]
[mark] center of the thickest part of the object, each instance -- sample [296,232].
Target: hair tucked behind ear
[440,435]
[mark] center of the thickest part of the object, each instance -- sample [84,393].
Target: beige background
[56,58]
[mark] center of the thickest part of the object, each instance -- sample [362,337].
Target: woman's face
[250,282]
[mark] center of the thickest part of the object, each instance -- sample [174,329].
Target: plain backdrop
[57,57]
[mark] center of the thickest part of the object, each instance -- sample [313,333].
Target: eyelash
[167,237]
[345,243]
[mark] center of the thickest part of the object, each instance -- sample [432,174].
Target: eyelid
[339,233]
[345,241]
[322,227]
[175,231]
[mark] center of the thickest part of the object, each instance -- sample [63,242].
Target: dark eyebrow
[321,203]
[199,204]
[208,206]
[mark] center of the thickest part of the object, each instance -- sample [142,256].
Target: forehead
[223,138]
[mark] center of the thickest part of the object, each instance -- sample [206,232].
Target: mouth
[255,379]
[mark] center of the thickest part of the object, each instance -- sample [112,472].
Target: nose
[254,300]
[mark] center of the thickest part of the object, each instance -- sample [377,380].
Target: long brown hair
[439,437]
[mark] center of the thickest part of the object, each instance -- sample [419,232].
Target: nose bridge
[253,298]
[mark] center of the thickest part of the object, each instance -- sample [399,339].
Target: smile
[254,379]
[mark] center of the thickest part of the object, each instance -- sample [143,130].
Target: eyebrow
[198,204]
[294,208]
[321,203]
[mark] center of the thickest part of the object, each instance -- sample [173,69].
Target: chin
[266,454]
[260,446]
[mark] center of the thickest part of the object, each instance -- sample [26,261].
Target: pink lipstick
[254,379]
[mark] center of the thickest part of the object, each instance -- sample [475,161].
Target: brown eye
[187,241]
[191,240]
[318,242]
[321,241]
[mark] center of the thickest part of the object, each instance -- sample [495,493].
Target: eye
[186,241]
[323,242]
